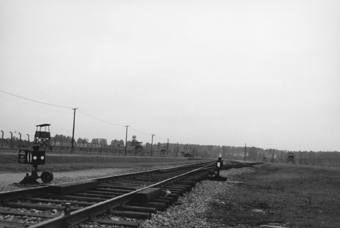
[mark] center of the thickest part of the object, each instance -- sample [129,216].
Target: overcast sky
[265,73]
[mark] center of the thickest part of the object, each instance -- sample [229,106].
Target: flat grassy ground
[282,194]
[58,162]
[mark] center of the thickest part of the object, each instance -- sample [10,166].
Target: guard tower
[290,157]
[138,145]
[42,137]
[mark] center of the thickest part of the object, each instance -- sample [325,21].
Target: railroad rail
[135,195]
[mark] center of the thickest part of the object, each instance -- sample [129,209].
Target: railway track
[136,195]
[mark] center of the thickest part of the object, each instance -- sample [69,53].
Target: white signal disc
[29,157]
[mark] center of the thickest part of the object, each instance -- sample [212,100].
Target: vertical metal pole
[74,124]
[167,148]
[245,151]
[177,149]
[126,139]
[152,142]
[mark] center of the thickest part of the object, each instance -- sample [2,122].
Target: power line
[140,131]
[121,125]
[30,104]
[159,137]
[60,106]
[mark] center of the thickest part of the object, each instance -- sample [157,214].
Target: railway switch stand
[215,173]
[34,157]
[67,208]
[219,165]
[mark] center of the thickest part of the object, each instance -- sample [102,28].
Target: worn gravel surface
[9,181]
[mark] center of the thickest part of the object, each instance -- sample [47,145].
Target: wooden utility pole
[126,139]
[167,148]
[152,142]
[177,149]
[245,152]
[74,125]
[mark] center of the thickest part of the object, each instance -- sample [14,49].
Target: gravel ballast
[193,206]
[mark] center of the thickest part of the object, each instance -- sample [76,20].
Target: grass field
[57,162]
[281,194]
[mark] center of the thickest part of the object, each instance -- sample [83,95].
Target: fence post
[2,138]
[11,144]
[20,140]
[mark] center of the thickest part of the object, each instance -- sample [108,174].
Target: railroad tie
[26,214]
[164,201]
[37,206]
[158,206]
[66,197]
[117,223]
[131,214]
[183,186]
[176,191]
[170,199]
[139,209]
[8,224]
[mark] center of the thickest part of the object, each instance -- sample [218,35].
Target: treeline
[171,148]
[100,141]
[328,158]
[321,158]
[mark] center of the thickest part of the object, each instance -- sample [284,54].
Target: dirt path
[8,179]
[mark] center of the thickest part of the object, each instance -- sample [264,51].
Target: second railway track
[136,195]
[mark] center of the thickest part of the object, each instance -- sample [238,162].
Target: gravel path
[8,181]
